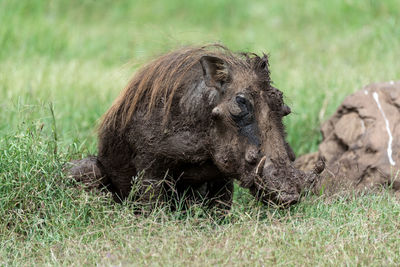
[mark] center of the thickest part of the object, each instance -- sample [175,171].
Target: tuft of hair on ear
[262,63]
[221,73]
[261,67]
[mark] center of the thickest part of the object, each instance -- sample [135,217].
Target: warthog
[196,119]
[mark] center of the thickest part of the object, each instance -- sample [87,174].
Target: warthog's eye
[245,119]
[241,100]
[246,114]
[244,104]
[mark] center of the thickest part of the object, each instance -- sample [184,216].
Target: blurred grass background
[77,55]
[80,54]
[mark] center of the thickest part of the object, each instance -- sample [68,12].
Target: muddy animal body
[196,119]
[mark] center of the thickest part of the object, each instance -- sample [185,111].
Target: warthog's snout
[278,181]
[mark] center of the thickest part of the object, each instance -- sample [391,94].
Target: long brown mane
[159,80]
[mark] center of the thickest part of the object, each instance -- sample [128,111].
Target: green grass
[75,56]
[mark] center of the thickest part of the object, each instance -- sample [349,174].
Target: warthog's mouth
[278,181]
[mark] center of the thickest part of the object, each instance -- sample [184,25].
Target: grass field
[62,63]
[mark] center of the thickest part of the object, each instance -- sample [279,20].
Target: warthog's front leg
[220,194]
[216,193]
[149,192]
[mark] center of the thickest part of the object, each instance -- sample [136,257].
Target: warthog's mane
[159,80]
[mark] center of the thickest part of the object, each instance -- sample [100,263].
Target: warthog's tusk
[261,163]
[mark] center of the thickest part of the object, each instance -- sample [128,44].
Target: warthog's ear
[262,64]
[261,67]
[215,71]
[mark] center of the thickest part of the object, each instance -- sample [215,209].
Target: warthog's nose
[277,180]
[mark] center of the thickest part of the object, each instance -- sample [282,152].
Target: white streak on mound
[362,126]
[389,149]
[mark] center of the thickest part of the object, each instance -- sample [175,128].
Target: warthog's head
[248,137]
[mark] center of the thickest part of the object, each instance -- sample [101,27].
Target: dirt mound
[361,141]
